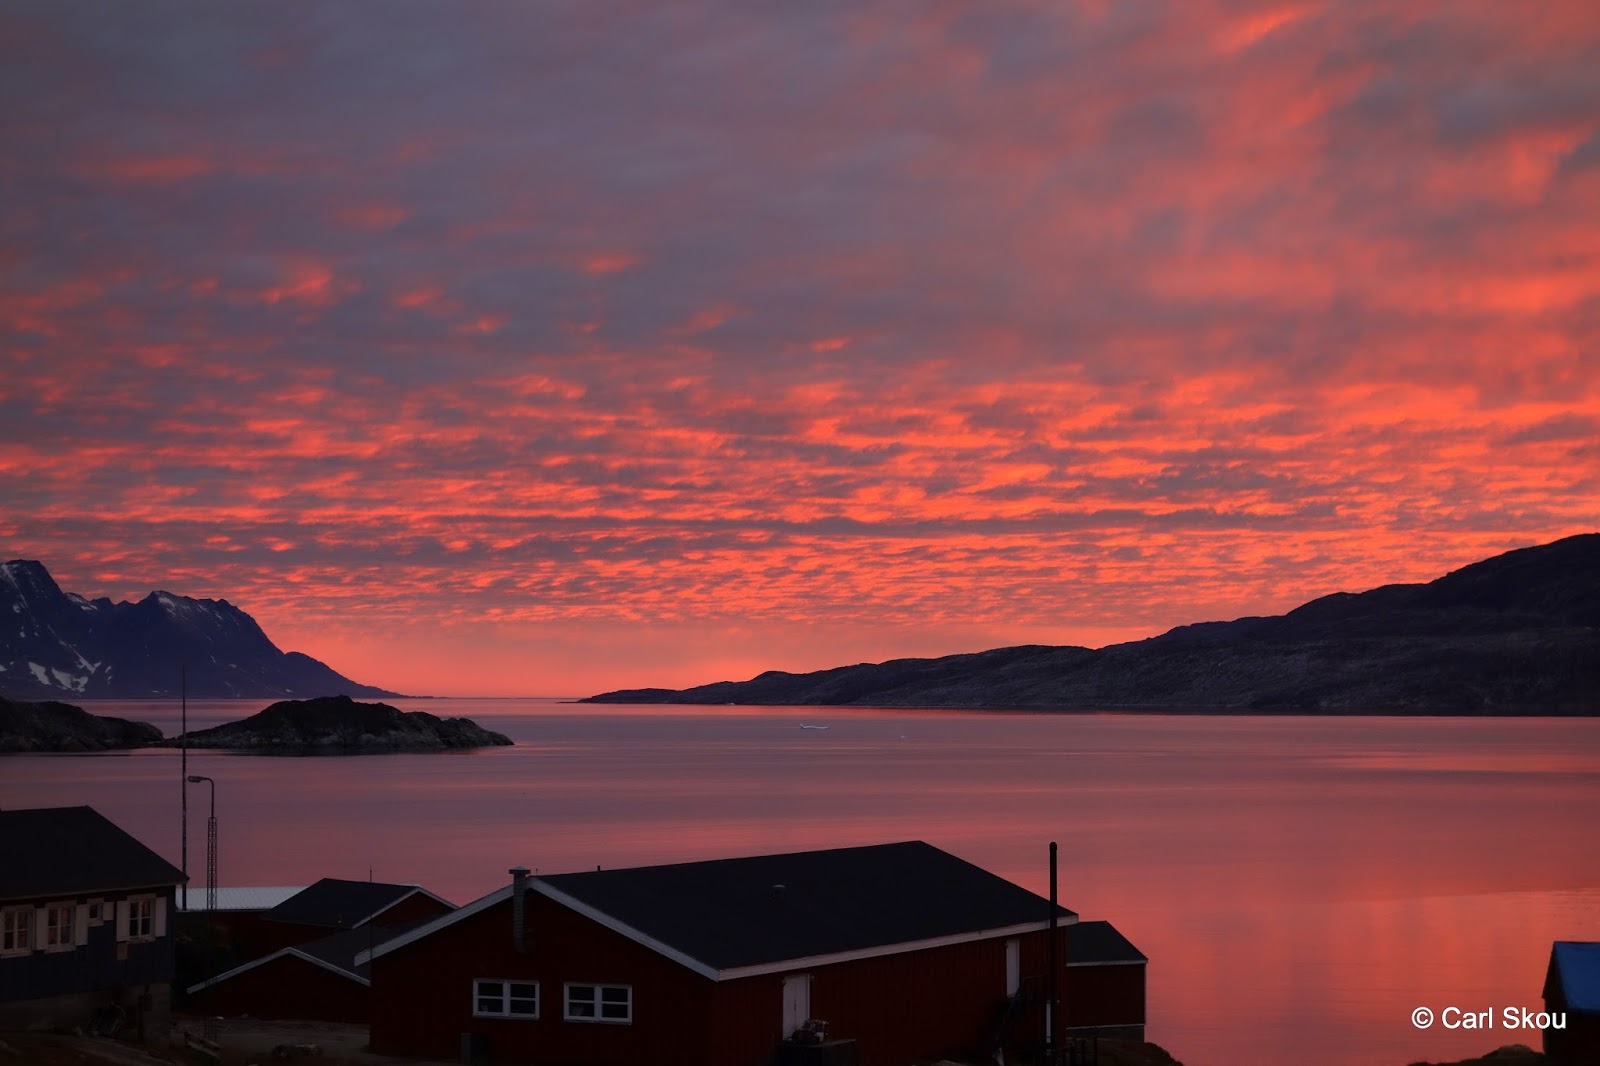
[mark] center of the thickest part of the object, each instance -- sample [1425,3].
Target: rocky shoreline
[60,727]
[340,725]
[330,725]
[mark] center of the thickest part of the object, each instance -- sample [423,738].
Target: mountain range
[1518,633]
[55,643]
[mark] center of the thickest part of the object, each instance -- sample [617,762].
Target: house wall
[413,908]
[1104,1001]
[930,1004]
[46,989]
[287,987]
[422,993]
[1579,1043]
[924,1004]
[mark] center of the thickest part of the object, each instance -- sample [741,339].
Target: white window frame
[595,1001]
[56,925]
[16,925]
[506,999]
[141,912]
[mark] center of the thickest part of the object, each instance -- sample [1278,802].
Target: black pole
[183,772]
[1050,995]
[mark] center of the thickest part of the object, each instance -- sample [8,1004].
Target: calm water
[1299,884]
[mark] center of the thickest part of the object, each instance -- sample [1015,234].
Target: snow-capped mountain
[57,645]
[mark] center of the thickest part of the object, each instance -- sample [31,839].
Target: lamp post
[211,842]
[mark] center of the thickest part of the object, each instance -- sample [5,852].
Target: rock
[338,725]
[51,726]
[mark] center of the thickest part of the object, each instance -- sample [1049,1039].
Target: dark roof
[74,851]
[337,952]
[1577,964]
[1099,942]
[340,949]
[730,913]
[338,904]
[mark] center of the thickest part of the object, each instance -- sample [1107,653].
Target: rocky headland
[52,726]
[338,725]
[1517,634]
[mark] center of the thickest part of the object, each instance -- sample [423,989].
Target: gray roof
[730,913]
[74,851]
[241,897]
[1099,943]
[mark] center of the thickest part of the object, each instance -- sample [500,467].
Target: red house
[317,981]
[333,904]
[903,950]
[299,960]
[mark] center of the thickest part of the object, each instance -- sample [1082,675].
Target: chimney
[519,896]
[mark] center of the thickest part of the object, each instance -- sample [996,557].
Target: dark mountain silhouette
[1515,634]
[54,643]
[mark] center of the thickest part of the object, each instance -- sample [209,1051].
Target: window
[16,928]
[58,927]
[600,1003]
[505,999]
[141,918]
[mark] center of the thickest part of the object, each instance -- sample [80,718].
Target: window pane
[489,1006]
[524,1006]
[522,991]
[490,988]
[614,994]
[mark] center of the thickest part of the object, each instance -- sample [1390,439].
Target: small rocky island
[338,725]
[51,726]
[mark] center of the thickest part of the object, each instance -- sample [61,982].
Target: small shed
[1103,987]
[1572,989]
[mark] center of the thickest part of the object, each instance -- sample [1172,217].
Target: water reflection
[1299,884]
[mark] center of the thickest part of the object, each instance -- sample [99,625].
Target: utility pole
[1051,993]
[183,772]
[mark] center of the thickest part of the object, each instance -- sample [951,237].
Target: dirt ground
[243,1043]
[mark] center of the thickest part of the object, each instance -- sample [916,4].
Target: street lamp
[211,842]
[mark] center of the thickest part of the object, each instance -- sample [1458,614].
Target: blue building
[85,916]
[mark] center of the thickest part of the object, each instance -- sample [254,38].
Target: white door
[1013,967]
[796,1002]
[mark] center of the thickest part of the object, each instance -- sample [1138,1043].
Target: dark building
[903,950]
[333,904]
[84,916]
[1102,989]
[320,980]
[1572,989]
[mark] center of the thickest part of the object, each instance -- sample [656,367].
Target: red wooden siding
[933,1003]
[1103,995]
[424,993]
[286,988]
[899,1007]
[413,908]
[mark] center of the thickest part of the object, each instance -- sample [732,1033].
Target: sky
[552,348]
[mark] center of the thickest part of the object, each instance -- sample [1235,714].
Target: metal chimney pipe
[519,895]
